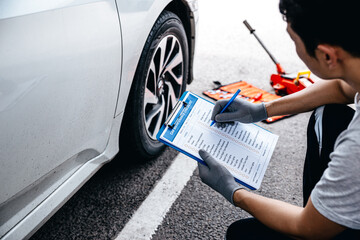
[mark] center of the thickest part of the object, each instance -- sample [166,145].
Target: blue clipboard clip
[171,118]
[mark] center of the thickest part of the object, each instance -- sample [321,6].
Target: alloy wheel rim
[163,85]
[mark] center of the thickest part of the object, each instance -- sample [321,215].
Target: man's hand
[239,110]
[217,177]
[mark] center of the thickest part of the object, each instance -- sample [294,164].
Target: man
[325,40]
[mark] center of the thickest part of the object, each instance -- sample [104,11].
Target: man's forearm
[275,214]
[321,93]
[293,221]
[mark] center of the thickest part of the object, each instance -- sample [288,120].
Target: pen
[228,103]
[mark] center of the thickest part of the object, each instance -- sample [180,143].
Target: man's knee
[242,227]
[251,228]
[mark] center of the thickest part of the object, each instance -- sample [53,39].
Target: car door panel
[58,88]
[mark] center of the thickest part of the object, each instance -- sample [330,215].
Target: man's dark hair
[333,22]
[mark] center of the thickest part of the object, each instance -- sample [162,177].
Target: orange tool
[248,92]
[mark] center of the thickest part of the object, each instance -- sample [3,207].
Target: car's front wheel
[160,79]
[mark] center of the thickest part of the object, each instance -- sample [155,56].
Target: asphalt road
[226,52]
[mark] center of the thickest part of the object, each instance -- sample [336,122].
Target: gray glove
[217,177]
[239,110]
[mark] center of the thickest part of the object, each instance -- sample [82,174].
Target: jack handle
[249,27]
[279,69]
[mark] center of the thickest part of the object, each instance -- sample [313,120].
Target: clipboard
[244,149]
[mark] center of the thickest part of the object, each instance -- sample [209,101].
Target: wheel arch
[186,10]
[183,10]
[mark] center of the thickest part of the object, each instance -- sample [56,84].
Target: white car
[80,80]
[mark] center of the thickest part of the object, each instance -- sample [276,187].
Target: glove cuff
[232,194]
[261,113]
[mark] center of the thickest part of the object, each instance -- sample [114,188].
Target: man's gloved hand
[217,177]
[239,110]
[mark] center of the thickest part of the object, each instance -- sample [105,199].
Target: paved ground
[226,52]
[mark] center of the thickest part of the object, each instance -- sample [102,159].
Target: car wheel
[160,79]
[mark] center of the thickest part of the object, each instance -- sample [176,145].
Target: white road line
[152,211]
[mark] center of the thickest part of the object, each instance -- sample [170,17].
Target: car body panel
[41,94]
[58,92]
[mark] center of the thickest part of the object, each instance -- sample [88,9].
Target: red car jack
[282,82]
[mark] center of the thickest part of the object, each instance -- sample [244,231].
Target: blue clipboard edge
[186,153]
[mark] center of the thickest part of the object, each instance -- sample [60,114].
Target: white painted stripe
[152,211]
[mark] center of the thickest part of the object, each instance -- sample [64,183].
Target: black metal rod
[252,31]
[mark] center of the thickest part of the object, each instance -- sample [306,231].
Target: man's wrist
[238,196]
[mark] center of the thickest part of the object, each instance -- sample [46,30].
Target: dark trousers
[335,119]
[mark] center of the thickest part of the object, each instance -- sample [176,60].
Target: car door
[60,64]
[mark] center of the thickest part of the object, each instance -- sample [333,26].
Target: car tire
[160,79]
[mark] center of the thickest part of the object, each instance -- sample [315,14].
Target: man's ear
[328,55]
